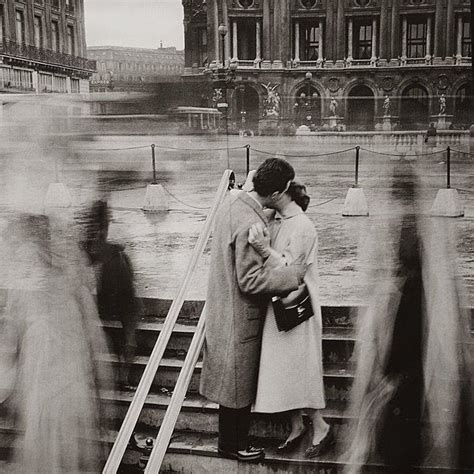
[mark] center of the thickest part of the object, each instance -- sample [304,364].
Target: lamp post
[222,76]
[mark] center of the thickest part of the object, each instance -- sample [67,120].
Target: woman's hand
[259,239]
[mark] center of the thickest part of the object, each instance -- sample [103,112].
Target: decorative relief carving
[308,4]
[246,3]
[387,83]
[415,2]
[333,84]
[442,82]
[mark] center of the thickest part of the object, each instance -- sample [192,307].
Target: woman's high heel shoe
[288,446]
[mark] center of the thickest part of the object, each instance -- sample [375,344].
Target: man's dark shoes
[323,446]
[251,454]
[290,445]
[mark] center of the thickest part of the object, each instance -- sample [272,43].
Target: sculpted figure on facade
[387,106]
[333,106]
[442,104]
[272,101]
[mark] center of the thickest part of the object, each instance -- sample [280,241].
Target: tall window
[2,24]
[309,40]
[416,38]
[362,37]
[38,29]
[202,46]
[20,27]
[70,40]
[466,38]
[55,36]
[246,38]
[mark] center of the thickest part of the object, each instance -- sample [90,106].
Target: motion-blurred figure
[115,288]
[412,396]
[50,338]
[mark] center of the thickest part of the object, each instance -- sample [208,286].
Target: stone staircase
[193,448]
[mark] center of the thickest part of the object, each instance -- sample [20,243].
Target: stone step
[338,342]
[201,415]
[337,379]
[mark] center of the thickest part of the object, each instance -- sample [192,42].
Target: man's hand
[259,239]
[301,271]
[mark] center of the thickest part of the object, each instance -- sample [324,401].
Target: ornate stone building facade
[341,64]
[132,69]
[42,47]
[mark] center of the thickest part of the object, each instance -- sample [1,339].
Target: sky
[138,23]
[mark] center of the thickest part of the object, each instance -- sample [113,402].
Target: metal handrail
[179,393]
[133,413]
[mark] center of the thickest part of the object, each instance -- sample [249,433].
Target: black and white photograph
[236,237]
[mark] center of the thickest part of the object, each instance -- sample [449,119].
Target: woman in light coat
[291,369]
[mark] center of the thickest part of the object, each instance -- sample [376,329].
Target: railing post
[247,167]
[153,163]
[357,167]
[448,167]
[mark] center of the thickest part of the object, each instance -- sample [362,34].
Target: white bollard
[355,203]
[57,196]
[447,204]
[156,199]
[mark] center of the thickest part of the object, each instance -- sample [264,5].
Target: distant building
[134,69]
[42,47]
[333,63]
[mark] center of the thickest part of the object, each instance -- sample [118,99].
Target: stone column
[329,33]
[350,35]
[374,39]
[438,47]
[212,30]
[395,50]
[404,36]
[384,33]
[267,45]
[459,37]
[225,21]
[297,41]
[277,39]
[320,41]
[341,37]
[234,41]
[258,55]
[428,36]
[285,32]
[449,25]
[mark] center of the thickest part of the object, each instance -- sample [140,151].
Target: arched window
[414,111]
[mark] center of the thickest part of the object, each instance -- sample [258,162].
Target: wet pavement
[160,245]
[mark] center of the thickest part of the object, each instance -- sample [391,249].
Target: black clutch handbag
[289,316]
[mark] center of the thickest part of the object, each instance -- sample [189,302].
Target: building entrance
[247,107]
[360,108]
[414,110]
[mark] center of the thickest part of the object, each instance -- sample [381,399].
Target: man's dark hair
[272,176]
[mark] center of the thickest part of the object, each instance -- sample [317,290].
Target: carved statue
[217,97]
[333,107]
[387,106]
[272,101]
[442,104]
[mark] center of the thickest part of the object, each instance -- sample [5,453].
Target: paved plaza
[190,168]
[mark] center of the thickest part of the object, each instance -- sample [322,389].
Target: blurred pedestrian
[115,288]
[50,341]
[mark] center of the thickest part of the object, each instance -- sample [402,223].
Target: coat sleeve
[254,276]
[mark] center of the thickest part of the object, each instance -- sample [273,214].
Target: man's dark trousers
[234,424]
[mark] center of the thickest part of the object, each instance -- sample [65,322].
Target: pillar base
[355,203]
[443,122]
[156,199]
[57,196]
[447,204]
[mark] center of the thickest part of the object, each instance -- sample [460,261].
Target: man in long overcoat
[240,287]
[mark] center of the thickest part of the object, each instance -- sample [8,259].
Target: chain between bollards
[356,185]
[153,163]
[448,168]
[247,159]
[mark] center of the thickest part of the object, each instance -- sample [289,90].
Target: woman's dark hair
[297,192]
[272,176]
